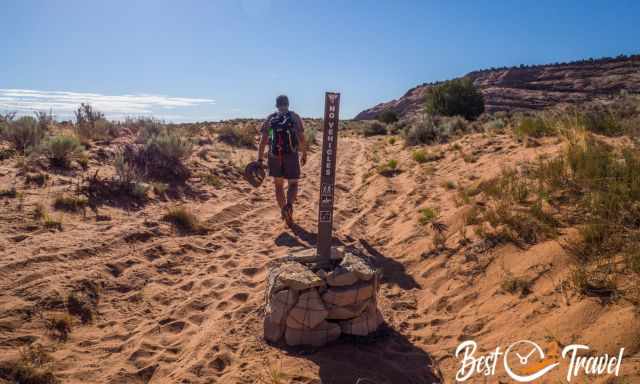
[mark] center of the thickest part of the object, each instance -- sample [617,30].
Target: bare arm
[301,140]
[264,137]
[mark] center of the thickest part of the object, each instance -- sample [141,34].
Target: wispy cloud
[63,103]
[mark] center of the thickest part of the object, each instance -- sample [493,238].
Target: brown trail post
[328,175]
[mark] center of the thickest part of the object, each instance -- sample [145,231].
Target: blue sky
[208,60]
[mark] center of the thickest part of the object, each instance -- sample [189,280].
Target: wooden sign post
[328,175]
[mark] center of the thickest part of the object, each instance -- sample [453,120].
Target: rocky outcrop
[535,87]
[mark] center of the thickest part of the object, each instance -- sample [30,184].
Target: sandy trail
[178,308]
[187,308]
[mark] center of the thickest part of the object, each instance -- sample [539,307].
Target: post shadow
[393,272]
[385,357]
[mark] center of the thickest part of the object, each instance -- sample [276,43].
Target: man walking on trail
[284,131]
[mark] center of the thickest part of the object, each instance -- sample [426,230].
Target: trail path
[187,308]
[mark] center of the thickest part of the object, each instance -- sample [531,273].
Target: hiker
[284,131]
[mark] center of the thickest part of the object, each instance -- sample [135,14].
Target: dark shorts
[288,166]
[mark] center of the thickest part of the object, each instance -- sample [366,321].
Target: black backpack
[282,134]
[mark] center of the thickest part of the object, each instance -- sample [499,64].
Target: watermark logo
[525,361]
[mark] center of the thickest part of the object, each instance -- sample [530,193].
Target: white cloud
[64,103]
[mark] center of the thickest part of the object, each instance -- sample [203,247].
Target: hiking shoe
[287,214]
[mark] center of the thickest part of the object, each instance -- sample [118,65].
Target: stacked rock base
[312,304]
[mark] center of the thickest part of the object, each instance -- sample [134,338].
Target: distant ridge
[535,87]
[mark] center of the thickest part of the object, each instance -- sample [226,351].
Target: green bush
[24,133]
[61,149]
[374,128]
[387,117]
[457,97]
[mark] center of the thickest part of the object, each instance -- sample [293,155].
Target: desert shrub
[533,127]
[310,134]
[61,149]
[114,191]
[419,156]
[147,128]
[238,134]
[211,179]
[459,97]
[449,184]
[59,326]
[397,127]
[419,132]
[8,192]
[374,128]
[126,171]
[496,125]
[70,203]
[24,133]
[513,284]
[44,120]
[25,372]
[603,122]
[388,116]
[183,220]
[449,126]
[38,178]
[392,140]
[91,124]
[51,223]
[161,158]
[159,188]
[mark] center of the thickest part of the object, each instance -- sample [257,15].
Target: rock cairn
[307,304]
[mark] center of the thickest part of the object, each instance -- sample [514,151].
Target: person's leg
[292,191]
[279,186]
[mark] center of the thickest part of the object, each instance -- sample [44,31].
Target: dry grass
[70,203]
[60,326]
[513,284]
[183,219]
[388,169]
[9,192]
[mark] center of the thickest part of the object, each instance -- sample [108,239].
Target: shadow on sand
[393,272]
[386,357]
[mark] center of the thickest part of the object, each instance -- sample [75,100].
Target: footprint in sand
[240,297]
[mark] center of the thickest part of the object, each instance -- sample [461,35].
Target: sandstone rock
[322,334]
[347,312]
[343,296]
[273,331]
[308,312]
[292,275]
[532,88]
[365,324]
[358,266]
[280,304]
[341,277]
